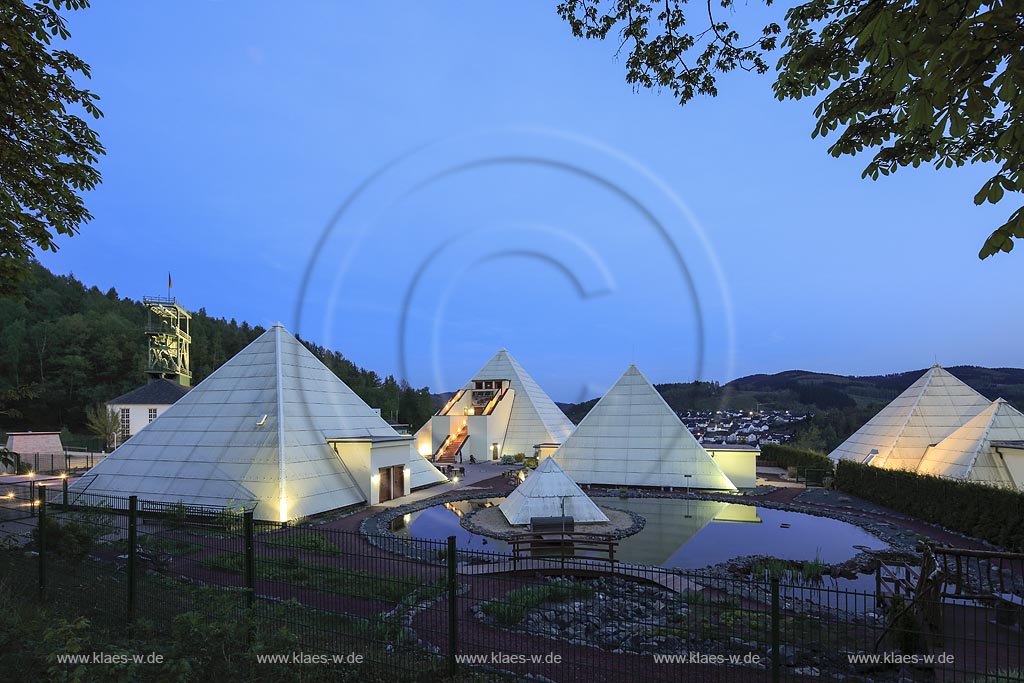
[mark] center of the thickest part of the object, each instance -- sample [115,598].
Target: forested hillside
[65,346]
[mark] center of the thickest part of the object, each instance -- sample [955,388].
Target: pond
[685,534]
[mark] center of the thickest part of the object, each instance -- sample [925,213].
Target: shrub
[508,460]
[69,540]
[987,512]
[519,457]
[800,458]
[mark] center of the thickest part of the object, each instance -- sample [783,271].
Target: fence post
[65,492]
[776,664]
[453,615]
[250,559]
[42,541]
[133,510]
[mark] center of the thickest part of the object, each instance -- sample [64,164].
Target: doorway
[392,483]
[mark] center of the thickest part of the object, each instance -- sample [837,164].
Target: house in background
[139,407]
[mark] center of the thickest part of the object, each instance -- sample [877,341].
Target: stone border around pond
[638,523]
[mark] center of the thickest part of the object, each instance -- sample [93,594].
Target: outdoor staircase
[448,451]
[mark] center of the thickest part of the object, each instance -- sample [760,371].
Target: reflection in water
[679,533]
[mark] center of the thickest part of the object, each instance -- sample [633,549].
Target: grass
[296,572]
[808,572]
[510,609]
[304,539]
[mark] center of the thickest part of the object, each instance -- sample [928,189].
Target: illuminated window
[152,414]
[126,423]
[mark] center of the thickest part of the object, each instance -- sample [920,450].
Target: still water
[679,533]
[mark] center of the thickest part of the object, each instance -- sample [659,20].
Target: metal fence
[384,608]
[55,463]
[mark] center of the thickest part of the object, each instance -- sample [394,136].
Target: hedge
[993,514]
[791,456]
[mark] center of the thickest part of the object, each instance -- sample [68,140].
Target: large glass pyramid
[927,412]
[631,437]
[254,431]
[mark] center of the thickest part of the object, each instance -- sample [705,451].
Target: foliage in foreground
[48,153]
[938,82]
[297,572]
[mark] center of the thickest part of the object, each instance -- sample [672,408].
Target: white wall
[364,460]
[138,415]
[739,465]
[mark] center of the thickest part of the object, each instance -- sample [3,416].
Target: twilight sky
[448,179]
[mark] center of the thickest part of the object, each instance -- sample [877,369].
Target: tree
[102,421]
[936,82]
[47,152]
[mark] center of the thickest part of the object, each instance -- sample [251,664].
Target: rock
[788,655]
[807,671]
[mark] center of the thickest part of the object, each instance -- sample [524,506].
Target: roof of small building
[160,392]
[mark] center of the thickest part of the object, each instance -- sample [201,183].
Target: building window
[152,414]
[126,423]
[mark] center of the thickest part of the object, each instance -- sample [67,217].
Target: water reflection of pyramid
[672,523]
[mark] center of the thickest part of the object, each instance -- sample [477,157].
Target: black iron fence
[326,601]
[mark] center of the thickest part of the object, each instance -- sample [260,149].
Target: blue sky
[459,178]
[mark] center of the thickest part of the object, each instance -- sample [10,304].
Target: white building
[139,407]
[631,437]
[501,410]
[272,426]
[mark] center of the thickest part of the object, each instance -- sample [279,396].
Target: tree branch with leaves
[937,82]
[48,152]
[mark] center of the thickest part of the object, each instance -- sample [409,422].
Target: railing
[978,574]
[219,598]
[563,545]
[896,580]
[452,401]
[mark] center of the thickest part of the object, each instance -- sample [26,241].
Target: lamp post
[687,478]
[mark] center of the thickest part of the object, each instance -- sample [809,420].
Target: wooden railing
[563,545]
[893,580]
[977,573]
